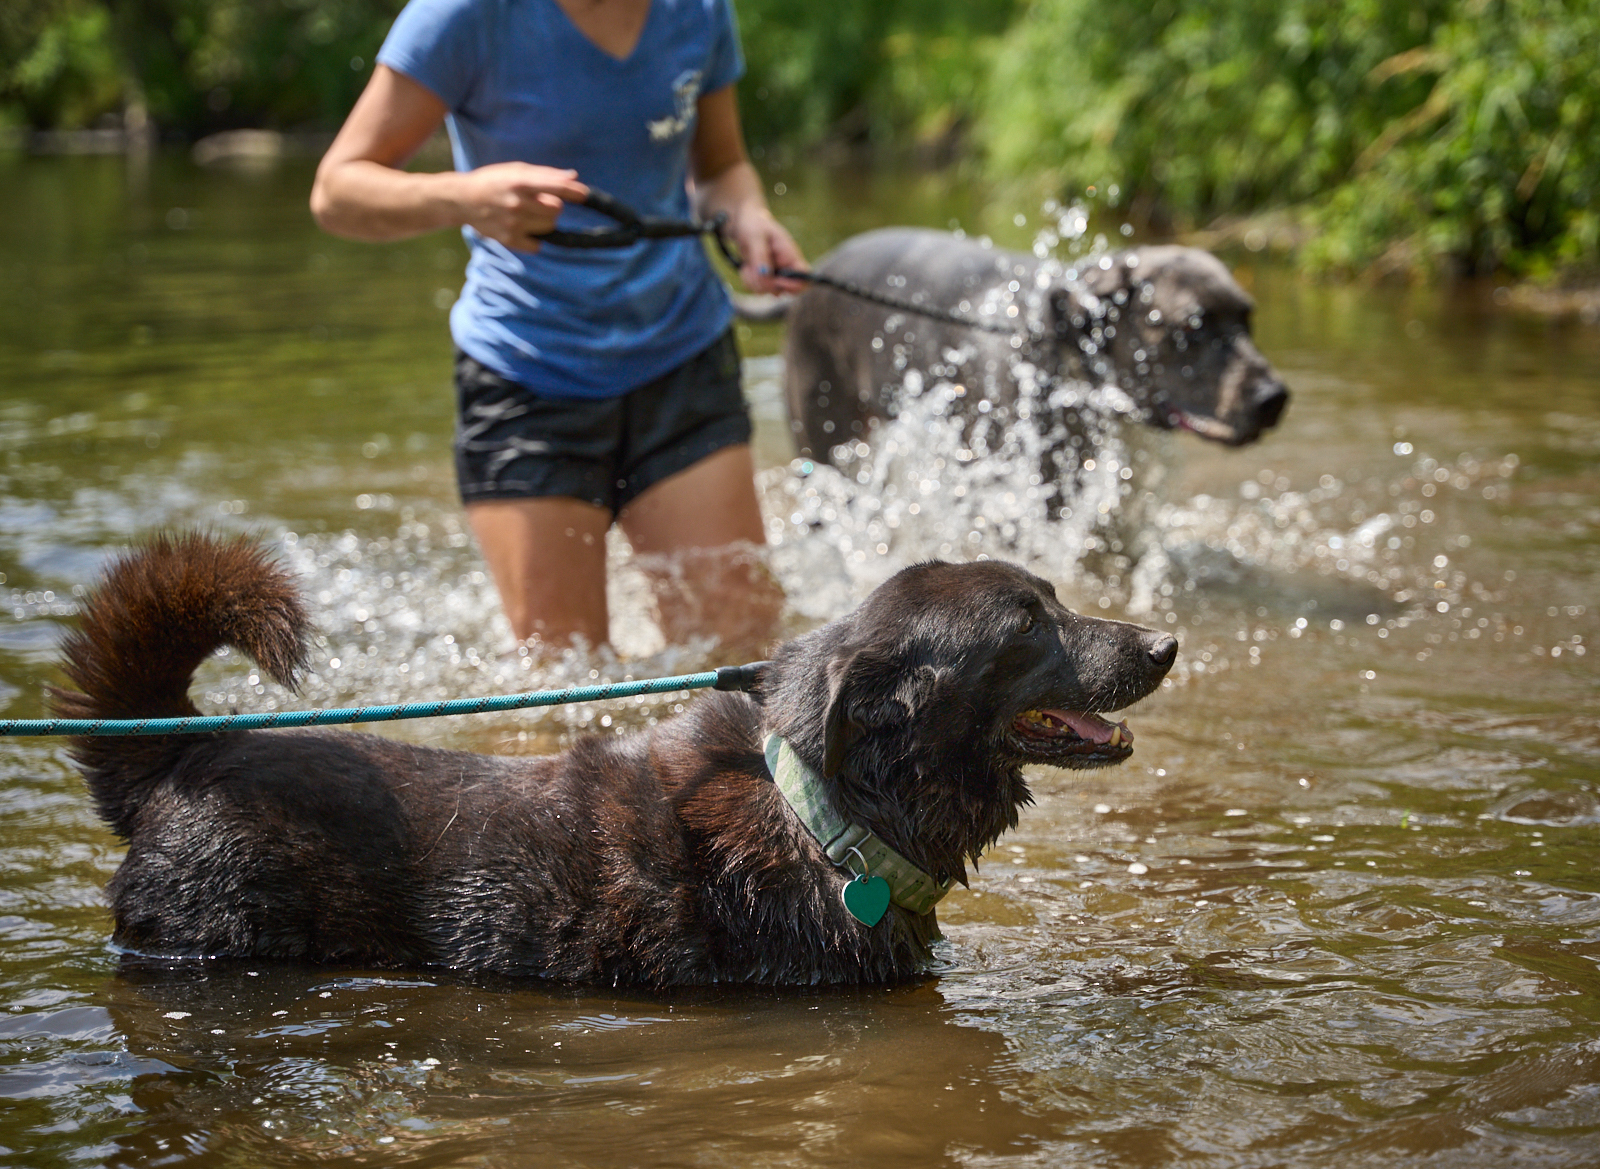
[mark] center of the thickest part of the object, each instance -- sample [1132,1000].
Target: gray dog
[1167,326]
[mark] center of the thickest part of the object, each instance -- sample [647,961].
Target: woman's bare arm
[726,181]
[362,192]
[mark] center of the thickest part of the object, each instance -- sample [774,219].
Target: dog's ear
[920,687]
[1108,275]
[838,729]
[1094,293]
[855,706]
[1070,316]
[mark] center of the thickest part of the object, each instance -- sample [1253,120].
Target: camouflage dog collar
[909,887]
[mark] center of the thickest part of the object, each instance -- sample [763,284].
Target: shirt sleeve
[726,62]
[439,44]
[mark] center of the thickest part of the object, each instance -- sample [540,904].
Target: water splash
[955,478]
[406,612]
[930,486]
[413,617]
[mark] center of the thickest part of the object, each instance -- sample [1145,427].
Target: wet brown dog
[667,857]
[1168,326]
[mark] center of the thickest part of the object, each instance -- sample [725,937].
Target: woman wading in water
[593,386]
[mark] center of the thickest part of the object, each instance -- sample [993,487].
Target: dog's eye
[1027,622]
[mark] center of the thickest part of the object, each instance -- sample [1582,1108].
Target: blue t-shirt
[523,84]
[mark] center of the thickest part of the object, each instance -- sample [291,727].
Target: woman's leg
[548,559]
[698,534]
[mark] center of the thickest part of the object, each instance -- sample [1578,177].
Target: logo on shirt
[685,92]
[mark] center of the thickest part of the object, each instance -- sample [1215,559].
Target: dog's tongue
[1084,725]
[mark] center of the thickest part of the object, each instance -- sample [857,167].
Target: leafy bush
[880,72]
[1451,134]
[205,64]
[1443,135]
[877,71]
[195,65]
[1498,166]
[58,64]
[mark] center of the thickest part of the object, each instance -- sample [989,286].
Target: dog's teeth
[1116,736]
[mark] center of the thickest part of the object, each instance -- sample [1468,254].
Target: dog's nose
[1163,650]
[1270,401]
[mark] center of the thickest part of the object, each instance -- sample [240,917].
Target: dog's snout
[1269,403]
[1163,650]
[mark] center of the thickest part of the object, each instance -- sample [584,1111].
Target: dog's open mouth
[1212,428]
[1050,732]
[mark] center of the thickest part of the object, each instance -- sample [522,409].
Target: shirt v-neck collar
[649,16]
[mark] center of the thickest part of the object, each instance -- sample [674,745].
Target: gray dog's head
[1171,327]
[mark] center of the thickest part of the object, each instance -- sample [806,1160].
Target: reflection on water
[1340,908]
[341,1064]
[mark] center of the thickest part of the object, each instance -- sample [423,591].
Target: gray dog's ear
[1093,293]
[1106,281]
[1071,317]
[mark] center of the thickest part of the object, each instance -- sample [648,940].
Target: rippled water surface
[1339,909]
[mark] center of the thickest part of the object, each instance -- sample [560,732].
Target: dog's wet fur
[1168,326]
[663,857]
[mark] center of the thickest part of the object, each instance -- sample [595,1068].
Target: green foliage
[196,65]
[1442,135]
[874,71]
[1498,166]
[204,64]
[1204,104]
[1451,134]
[58,65]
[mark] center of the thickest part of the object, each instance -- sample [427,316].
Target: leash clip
[746,677]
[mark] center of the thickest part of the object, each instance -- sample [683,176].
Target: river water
[1340,908]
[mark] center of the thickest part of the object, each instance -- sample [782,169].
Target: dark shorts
[514,444]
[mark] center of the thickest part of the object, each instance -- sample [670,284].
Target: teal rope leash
[723,678]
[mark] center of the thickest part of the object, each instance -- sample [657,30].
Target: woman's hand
[765,246]
[509,202]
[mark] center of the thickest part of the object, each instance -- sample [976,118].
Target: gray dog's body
[1167,325]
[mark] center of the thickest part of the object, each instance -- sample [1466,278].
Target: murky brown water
[1340,908]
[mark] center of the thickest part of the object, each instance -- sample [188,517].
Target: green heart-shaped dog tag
[867,899]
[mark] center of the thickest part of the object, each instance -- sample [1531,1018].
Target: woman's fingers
[512,201]
[767,248]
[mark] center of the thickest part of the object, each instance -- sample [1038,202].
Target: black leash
[633,227]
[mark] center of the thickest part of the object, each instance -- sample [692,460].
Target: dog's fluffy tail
[159,612]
